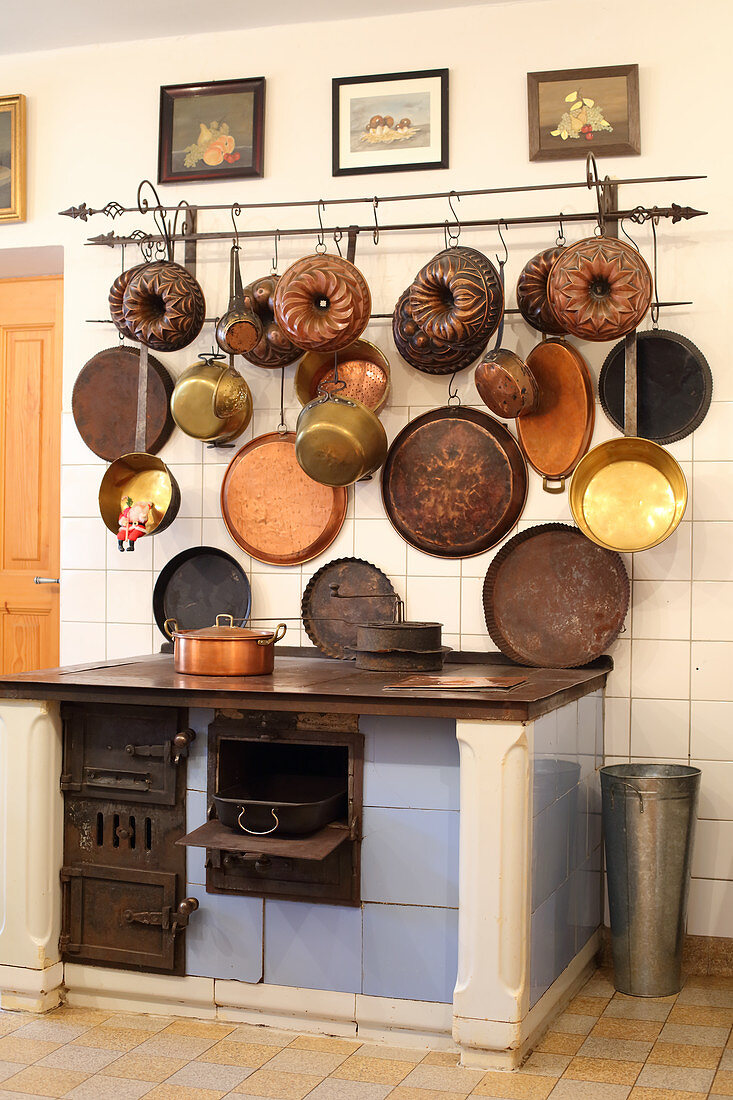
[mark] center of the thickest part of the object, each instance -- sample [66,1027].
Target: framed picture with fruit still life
[576,111]
[390,123]
[12,158]
[211,131]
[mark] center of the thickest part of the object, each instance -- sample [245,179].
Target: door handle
[47,580]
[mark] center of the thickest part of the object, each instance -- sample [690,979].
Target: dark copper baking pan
[557,433]
[104,403]
[553,598]
[272,509]
[454,482]
[343,595]
[674,386]
[196,585]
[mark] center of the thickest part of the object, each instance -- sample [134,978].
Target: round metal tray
[332,622]
[199,584]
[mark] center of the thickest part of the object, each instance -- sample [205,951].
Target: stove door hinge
[355,828]
[68,783]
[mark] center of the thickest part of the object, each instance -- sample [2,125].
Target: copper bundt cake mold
[423,352]
[322,303]
[163,306]
[274,348]
[454,298]
[532,292]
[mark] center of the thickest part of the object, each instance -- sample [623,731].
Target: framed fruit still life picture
[573,112]
[211,131]
[12,158]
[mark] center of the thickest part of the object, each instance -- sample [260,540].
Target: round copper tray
[557,433]
[454,482]
[331,622]
[272,509]
[553,598]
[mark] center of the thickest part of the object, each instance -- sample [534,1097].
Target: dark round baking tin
[199,584]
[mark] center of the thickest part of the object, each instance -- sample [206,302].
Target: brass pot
[506,385]
[628,494]
[240,328]
[141,477]
[211,402]
[223,650]
[339,441]
[362,366]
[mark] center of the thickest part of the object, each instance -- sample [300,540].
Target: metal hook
[501,235]
[454,234]
[560,239]
[592,180]
[375,231]
[235,212]
[453,395]
[337,236]
[655,307]
[274,258]
[320,243]
[628,235]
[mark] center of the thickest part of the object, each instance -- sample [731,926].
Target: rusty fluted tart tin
[272,509]
[364,594]
[554,599]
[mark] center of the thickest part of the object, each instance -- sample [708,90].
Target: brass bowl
[628,494]
[211,402]
[143,477]
[339,441]
[362,366]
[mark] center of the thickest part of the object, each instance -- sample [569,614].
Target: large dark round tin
[339,598]
[199,584]
[105,399]
[674,386]
[454,482]
[553,598]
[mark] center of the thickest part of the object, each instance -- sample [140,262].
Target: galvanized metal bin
[648,824]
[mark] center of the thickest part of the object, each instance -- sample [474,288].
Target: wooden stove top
[311,684]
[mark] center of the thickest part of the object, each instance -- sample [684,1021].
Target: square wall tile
[435,599]
[74,451]
[410,952]
[214,533]
[128,640]
[661,610]
[277,598]
[618,682]
[129,597]
[588,888]
[224,937]
[712,610]
[377,541]
[545,734]
[472,607]
[712,559]
[183,450]
[567,731]
[411,762]
[190,482]
[196,815]
[660,670]
[712,855]
[410,857]
[551,845]
[426,565]
[617,724]
[670,561]
[542,949]
[181,535]
[82,642]
[710,730]
[84,543]
[80,491]
[713,440]
[710,908]
[660,727]
[213,477]
[716,789]
[712,497]
[313,946]
[711,665]
[83,595]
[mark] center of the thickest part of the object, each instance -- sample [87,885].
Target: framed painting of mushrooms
[390,123]
[12,158]
[576,111]
[211,131]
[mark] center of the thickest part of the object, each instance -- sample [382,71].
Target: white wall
[93,122]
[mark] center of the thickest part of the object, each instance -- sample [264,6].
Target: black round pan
[199,584]
[674,386]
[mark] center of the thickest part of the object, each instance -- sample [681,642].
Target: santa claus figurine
[133,522]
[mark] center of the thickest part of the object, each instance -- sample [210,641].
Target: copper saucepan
[224,650]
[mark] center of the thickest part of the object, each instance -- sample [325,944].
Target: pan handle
[280,631]
[257,832]
[175,627]
[558,482]
[223,616]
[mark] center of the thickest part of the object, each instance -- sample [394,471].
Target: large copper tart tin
[163,306]
[424,352]
[532,292]
[457,297]
[322,303]
[454,482]
[272,509]
[274,348]
[599,288]
[554,599]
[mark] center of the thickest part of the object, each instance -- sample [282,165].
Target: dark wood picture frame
[432,160]
[245,162]
[543,145]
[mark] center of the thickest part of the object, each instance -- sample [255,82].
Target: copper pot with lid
[221,650]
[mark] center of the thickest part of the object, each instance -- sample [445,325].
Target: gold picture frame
[12,158]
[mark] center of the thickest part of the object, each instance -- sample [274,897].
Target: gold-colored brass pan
[362,366]
[338,441]
[142,477]
[628,494]
[211,402]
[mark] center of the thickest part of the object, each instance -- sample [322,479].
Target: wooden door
[30,470]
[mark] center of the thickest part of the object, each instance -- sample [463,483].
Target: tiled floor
[604,1047]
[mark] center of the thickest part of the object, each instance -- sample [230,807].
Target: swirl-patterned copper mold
[599,288]
[422,351]
[116,295]
[274,348]
[322,303]
[532,292]
[163,306]
[454,297]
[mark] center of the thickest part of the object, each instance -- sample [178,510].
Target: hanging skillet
[675,386]
[240,329]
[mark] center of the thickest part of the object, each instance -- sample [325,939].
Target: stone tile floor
[605,1046]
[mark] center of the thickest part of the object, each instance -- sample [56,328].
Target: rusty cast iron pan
[400,660]
[553,598]
[105,401]
[272,509]
[364,595]
[197,585]
[557,433]
[674,386]
[454,482]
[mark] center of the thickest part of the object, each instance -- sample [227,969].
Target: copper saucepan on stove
[223,650]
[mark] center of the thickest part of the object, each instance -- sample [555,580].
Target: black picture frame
[184,106]
[432,136]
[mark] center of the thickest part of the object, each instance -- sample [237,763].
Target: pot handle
[257,832]
[170,633]
[553,484]
[280,631]
[223,616]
